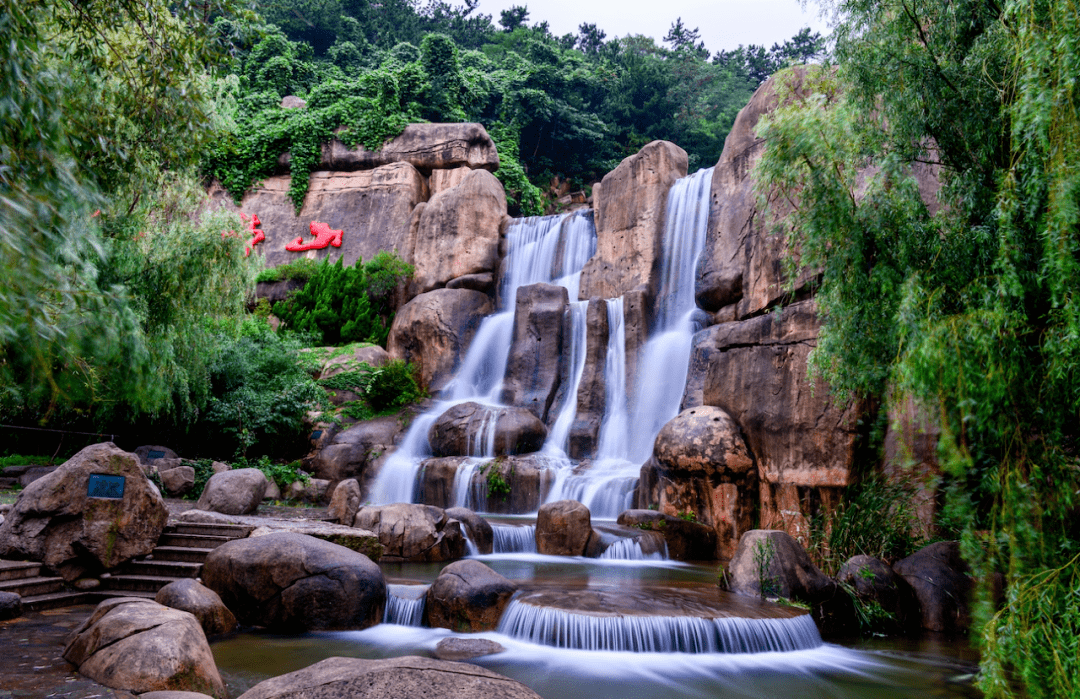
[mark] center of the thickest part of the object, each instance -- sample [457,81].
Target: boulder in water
[466,648]
[534,364]
[477,527]
[564,528]
[406,677]
[294,583]
[939,576]
[471,429]
[528,477]
[415,533]
[874,582]
[189,595]
[467,597]
[686,540]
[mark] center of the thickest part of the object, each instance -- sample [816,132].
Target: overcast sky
[724,24]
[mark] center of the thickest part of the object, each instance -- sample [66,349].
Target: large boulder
[351,453]
[189,595]
[457,232]
[416,533]
[345,502]
[406,677]
[467,597]
[293,583]
[472,429]
[631,205]
[875,583]
[564,528]
[427,147]
[476,527]
[686,540]
[140,646]
[939,577]
[527,479]
[235,492]
[434,330]
[178,481]
[373,208]
[756,371]
[701,465]
[533,367]
[591,396]
[55,520]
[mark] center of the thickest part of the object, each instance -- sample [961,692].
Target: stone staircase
[180,553]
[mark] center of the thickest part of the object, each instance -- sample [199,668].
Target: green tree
[969,302]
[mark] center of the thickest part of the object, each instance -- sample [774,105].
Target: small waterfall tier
[509,538]
[630,550]
[405,604]
[667,622]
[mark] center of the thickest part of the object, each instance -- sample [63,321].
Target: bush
[339,304]
[383,389]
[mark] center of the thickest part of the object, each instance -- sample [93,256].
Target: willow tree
[968,297]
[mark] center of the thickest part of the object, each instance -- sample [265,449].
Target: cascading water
[405,604]
[509,538]
[630,550]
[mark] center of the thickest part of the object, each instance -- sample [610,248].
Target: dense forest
[114,114]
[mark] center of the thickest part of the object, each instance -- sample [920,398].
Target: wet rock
[236,492]
[874,582]
[471,429]
[293,583]
[939,577]
[505,485]
[10,605]
[434,330]
[141,646]
[686,540]
[56,522]
[771,563]
[477,527]
[467,597]
[178,481]
[352,453]
[397,678]
[188,595]
[631,205]
[591,397]
[466,648]
[701,465]
[458,232]
[533,367]
[564,528]
[345,502]
[416,533]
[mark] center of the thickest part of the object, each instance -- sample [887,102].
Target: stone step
[28,587]
[180,554]
[53,600]
[234,531]
[18,570]
[137,583]
[194,541]
[165,569]
[102,595]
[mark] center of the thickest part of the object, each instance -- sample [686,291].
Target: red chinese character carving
[257,236]
[324,237]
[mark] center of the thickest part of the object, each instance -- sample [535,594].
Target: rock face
[686,540]
[407,677]
[564,528]
[294,583]
[938,575]
[416,533]
[471,429]
[458,232]
[236,492]
[141,646]
[477,528]
[591,397]
[536,349]
[351,453]
[426,147]
[756,371]
[467,597]
[188,595]
[630,209]
[56,522]
[875,582]
[373,207]
[529,478]
[434,330]
[701,464]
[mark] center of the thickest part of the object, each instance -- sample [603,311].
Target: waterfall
[559,436]
[657,634]
[509,538]
[630,550]
[405,604]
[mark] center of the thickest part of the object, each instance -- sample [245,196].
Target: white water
[510,538]
[405,604]
[630,550]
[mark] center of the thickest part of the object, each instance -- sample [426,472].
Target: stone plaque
[316,434]
[102,485]
[150,456]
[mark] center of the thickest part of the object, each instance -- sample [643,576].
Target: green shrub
[342,304]
[300,269]
[282,473]
[24,460]
[383,389]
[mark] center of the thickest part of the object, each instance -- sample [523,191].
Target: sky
[724,24]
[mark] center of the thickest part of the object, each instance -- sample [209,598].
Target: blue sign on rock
[102,485]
